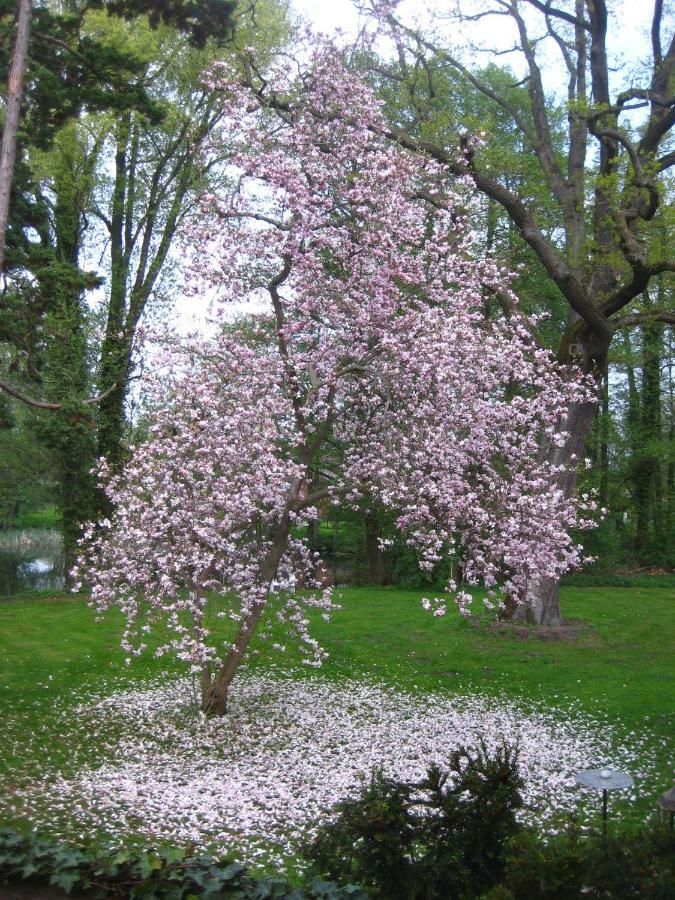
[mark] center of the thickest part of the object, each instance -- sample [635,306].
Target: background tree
[159,173]
[152,144]
[606,185]
[200,20]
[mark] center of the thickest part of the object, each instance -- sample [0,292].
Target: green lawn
[620,665]
[45,517]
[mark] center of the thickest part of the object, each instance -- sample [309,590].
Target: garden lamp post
[667,803]
[604,780]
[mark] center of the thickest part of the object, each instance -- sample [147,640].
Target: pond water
[31,559]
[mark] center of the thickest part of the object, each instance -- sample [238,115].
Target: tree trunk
[215,687]
[10,130]
[377,570]
[71,429]
[313,534]
[603,442]
[648,471]
[114,371]
[114,363]
[542,606]
[669,468]
[336,536]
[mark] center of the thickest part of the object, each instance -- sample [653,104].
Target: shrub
[632,865]
[442,837]
[372,838]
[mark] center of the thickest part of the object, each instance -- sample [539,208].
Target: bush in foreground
[454,836]
[442,837]
[630,865]
[169,874]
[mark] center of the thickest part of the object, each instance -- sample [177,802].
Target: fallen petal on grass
[255,783]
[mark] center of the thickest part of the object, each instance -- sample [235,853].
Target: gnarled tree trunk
[542,606]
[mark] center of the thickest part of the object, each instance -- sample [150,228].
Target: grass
[620,665]
[45,517]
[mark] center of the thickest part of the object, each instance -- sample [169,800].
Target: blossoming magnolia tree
[383,378]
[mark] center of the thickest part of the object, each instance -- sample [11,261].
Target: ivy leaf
[65,880]
[149,863]
[232,871]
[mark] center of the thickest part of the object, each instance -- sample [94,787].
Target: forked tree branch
[45,404]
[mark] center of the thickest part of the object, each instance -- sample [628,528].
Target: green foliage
[167,873]
[26,479]
[591,580]
[99,88]
[372,838]
[200,19]
[625,866]
[444,836]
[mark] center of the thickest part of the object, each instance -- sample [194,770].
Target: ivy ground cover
[92,747]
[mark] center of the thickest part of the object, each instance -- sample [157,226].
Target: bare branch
[29,401]
[552,261]
[559,13]
[44,404]
[665,162]
[259,217]
[543,145]
[478,83]
[642,275]
[643,318]
[314,498]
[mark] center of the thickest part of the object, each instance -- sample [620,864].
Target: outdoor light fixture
[604,780]
[667,803]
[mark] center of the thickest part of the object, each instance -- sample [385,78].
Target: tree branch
[552,261]
[643,318]
[559,13]
[44,404]
[656,33]
[642,275]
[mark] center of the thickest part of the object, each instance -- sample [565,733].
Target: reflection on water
[31,559]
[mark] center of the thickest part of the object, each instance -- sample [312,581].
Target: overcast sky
[628,29]
[626,16]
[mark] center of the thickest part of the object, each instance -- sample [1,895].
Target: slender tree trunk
[377,570]
[647,470]
[17,75]
[215,687]
[632,421]
[114,364]
[669,473]
[336,536]
[603,442]
[313,534]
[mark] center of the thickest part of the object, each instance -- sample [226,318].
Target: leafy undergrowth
[173,874]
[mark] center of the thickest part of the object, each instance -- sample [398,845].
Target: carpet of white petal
[255,783]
